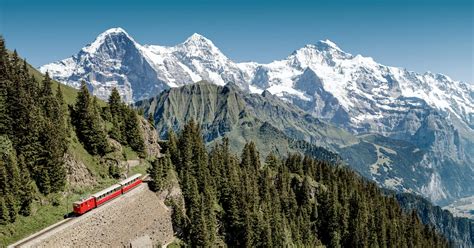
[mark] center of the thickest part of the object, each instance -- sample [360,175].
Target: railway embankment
[140,214]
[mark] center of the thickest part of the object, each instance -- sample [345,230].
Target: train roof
[113,187]
[130,179]
[82,200]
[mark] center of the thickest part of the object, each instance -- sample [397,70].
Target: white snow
[354,81]
[92,48]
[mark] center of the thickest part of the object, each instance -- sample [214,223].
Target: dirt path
[137,215]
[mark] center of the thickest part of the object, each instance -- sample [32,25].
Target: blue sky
[420,35]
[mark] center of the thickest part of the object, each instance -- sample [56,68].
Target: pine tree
[247,205]
[12,207]
[115,103]
[26,189]
[53,138]
[4,218]
[173,148]
[88,122]
[156,174]
[133,133]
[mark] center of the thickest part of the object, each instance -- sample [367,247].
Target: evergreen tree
[115,103]
[133,133]
[156,174]
[26,193]
[4,218]
[88,123]
[53,139]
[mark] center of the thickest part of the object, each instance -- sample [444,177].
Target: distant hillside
[228,111]
[276,126]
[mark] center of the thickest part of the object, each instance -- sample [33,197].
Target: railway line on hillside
[36,237]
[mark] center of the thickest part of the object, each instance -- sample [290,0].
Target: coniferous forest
[36,126]
[239,201]
[235,200]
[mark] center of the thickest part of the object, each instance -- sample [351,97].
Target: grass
[129,153]
[141,168]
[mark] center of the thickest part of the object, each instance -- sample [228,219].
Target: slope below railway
[138,215]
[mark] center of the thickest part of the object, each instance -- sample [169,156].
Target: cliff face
[78,175]
[460,231]
[150,136]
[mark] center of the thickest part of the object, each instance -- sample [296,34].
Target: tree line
[35,132]
[294,201]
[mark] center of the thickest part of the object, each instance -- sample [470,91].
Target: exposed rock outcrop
[150,137]
[78,175]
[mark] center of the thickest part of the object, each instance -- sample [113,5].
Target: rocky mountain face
[429,111]
[275,125]
[460,231]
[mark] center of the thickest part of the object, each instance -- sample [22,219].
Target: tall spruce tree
[88,123]
[133,133]
[53,139]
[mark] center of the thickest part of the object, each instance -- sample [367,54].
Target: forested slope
[296,201]
[49,132]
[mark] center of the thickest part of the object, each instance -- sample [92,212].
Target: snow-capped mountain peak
[200,47]
[349,79]
[327,44]
[103,37]
[351,91]
[198,40]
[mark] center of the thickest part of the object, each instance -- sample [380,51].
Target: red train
[99,198]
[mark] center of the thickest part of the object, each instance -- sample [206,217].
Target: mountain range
[280,127]
[353,94]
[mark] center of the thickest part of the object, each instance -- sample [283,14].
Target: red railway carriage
[130,183]
[99,198]
[107,194]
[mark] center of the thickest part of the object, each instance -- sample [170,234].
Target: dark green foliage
[115,103]
[125,124]
[53,137]
[178,217]
[133,134]
[156,173]
[114,171]
[34,134]
[297,201]
[26,190]
[88,123]
[4,218]
[10,185]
